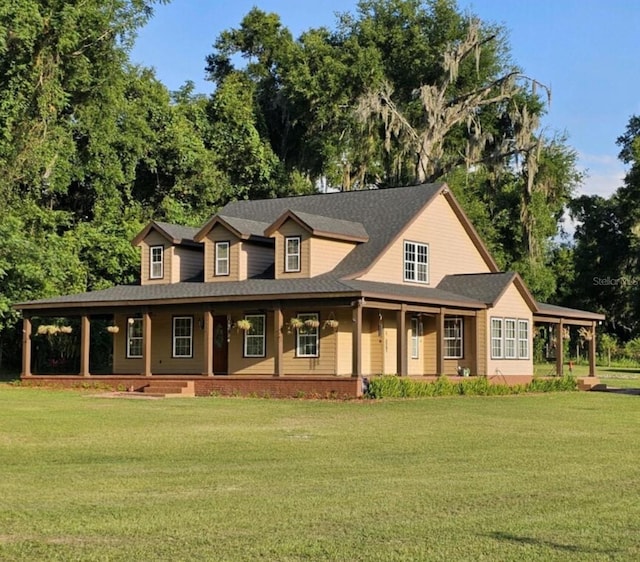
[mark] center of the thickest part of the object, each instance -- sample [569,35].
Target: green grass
[620,377]
[537,477]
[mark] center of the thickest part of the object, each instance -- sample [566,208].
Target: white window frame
[153,262]
[222,264]
[182,337]
[292,255]
[308,336]
[510,327]
[523,339]
[253,336]
[416,270]
[134,326]
[415,338]
[497,344]
[458,336]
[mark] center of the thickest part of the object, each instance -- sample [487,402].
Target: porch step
[170,388]
[590,383]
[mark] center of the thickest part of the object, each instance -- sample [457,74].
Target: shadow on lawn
[500,535]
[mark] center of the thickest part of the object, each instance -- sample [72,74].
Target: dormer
[169,254]
[308,245]
[234,249]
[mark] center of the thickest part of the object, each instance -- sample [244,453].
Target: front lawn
[537,477]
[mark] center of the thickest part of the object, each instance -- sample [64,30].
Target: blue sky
[587,51]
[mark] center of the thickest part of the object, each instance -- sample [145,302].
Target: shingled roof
[383,213]
[174,233]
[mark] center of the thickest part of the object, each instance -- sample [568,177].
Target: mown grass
[621,377]
[537,477]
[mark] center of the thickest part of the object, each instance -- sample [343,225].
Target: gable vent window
[222,258]
[292,254]
[156,262]
[416,262]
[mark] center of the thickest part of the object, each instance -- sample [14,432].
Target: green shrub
[391,386]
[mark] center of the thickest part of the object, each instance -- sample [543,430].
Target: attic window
[156,262]
[292,254]
[416,262]
[222,258]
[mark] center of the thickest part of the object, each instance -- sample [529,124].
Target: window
[254,337]
[292,254]
[415,339]
[453,338]
[182,336]
[222,258]
[416,262]
[134,338]
[156,268]
[523,339]
[510,339]
[307,336]
[496,338]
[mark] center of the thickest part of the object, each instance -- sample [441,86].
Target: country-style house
[310,294]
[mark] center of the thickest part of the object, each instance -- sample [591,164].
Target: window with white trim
[222,258]
[156,262]
[453,343]
[292,254]
[182,336]
[415,338]
[307,335]
[496,338]
[416,262]
[510,351]
[523,339]
[134,338]
[254,337]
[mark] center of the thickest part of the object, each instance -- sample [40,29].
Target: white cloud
[604,174]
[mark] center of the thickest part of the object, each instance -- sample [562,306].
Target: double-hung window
[156,262]
[453,330]
[222,258]
[416,262]
[182,336]
[496,338]
[134,338]
[307,335]
[510,351]
[523,339]
[254,337]
[292,254]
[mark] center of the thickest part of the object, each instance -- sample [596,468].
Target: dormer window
[156,262]
[292,254]
[222,258]
[416,262]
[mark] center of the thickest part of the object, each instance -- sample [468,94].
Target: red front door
[220,346]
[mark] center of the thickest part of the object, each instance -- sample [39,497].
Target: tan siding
[481,339]
[155,239]
[430,345]
[345,342]
[324,364]
[258,258]
[240,365]
[467,360]
[326,254]
[511,305]
[162,361]
[292,228]
[221,234]
[451,250]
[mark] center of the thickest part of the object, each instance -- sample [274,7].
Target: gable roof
[486,287]
[327,227]
[174,233]
[242,228]
[564,312]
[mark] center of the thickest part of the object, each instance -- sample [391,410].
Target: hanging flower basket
[113,329]
[244,325]
[296,323]
[585,334]
[331,324]
[47,330]
[312,323]
[565,334]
